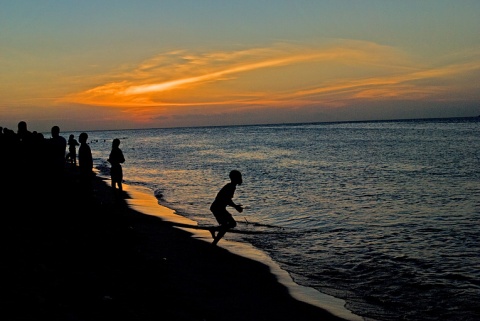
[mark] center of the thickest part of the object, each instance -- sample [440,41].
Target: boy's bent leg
[212,231]
[220,234]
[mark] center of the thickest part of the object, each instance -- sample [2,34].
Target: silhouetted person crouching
[219,206]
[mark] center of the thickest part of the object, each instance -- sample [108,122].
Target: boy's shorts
[224,218]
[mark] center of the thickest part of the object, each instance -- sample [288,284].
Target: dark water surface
[383,214]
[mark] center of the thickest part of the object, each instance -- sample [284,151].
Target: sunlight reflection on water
[366,208]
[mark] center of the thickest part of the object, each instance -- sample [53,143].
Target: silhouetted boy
[72,150]
[115,159]
[219,206]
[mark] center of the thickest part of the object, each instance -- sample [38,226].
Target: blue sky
[86,65]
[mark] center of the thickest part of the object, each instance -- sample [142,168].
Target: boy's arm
[238,207]
[226,194]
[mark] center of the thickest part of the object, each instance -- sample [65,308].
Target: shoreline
[71,255]
[142,200]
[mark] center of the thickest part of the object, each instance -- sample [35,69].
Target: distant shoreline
[435,119]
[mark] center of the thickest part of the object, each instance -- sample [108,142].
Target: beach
[72,255]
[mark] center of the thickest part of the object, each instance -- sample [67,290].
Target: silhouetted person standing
[85,163]
[23,134]
[23,145]
[58,147]
[219,206]
[115,159]
[72,150]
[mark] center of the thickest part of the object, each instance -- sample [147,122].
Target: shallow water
[384,215]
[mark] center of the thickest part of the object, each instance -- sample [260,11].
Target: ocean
[381,214]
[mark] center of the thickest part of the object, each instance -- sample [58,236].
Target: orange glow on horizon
[343,72]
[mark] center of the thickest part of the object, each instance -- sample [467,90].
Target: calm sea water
[384,215]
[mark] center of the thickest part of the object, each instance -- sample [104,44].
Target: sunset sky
[87,65]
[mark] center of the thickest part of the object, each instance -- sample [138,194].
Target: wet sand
[71,255]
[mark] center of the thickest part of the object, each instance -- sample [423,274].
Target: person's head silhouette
[55,131]
[83,138]
[236,177]
[22,127]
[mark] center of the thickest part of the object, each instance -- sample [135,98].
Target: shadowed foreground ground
[71,257]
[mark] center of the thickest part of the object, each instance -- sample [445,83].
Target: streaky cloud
[340,70]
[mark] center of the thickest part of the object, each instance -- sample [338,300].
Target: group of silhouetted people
[28,157]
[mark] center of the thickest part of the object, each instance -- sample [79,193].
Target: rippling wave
[384,215]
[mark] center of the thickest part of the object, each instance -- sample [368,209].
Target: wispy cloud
[411,84]
[280,75]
